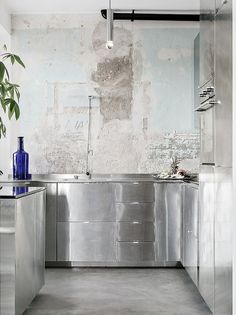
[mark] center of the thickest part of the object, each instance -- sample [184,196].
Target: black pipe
[151,16]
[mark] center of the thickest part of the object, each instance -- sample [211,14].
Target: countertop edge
[12,197]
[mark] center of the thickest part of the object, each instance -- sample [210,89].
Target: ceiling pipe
[109,16]
[145,15]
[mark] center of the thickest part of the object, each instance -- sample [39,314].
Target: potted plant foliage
[9,92]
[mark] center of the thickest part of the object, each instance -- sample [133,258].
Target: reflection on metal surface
[22,257]
[97,223]
[190,231]
[206,234]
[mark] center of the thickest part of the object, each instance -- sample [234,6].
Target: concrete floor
[118,291]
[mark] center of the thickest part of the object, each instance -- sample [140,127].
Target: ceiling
[77,6]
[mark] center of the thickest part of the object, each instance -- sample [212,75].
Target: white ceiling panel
[82,6]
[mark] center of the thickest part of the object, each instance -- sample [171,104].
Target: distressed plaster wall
[142,113]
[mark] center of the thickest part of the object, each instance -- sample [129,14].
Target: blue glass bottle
[20,161]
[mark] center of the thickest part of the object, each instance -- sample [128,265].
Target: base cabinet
[119,224]
[206,234]
[190,231]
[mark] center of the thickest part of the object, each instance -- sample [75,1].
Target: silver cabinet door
[206,234]
[25,252]
[206,40]
[86,202]
[190,231]
[51,222]
[91,242]
[173,221]
[135,231]
[134,192]
[223,241]
[207,139]
[135,211]
[40,210]
[160,220]
[223,86]
[136,252]
[51,219]
[7,258]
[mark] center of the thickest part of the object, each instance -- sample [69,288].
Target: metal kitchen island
[22,246]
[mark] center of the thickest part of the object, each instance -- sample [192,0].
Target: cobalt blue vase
[21,161]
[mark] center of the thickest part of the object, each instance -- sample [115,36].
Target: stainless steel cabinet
[134,192]
[51,219]
[160,220]
[135,234]
[86,224]
[86,202]
[173,221]
[207,40]
[206,234]
[223,85]
[86,242]
[135,231]
[21,251]
[223,241]
[136,252]
[135,211]
[190,231]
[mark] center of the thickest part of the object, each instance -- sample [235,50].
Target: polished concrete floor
[118,291]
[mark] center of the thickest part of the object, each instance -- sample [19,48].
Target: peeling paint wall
[142,110]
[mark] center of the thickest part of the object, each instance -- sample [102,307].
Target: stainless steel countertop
[95,178]
[15,192]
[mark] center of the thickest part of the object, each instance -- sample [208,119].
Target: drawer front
[135,252]
[136,211]
[134,192]
[134,231]
[86,202]
[93,242]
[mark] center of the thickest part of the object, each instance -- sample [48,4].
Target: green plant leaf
[17,59]
[13,109]
[2,128]
[2,71]
[17,93]
[12,60]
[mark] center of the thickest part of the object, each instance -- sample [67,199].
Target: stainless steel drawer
[88,241]
[86,202]
[134,192]
[136,211]
[135,251]
[135,231]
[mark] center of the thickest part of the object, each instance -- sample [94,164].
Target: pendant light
[109,43]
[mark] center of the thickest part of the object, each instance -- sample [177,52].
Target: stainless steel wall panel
[223,86]
[86,202]
[7,264]
[173,221]
[25,251]
[134,192]
[136,211]
[135,252]
[206,234]
[88,241]
[40,208]
[51,222]
[7,213]
[160,220]
[207,40]
[190,231]
[51,219]
[223,241]
[135,231]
